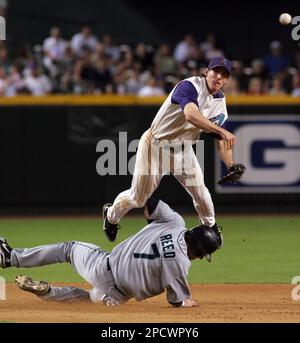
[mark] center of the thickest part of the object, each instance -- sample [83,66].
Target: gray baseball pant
[88,260]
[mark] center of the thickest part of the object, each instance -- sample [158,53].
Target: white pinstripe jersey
[170,123]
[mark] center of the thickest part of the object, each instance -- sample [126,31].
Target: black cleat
[111,230]
[217,229]
[5,252]
[40,288]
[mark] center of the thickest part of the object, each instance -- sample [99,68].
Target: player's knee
[139,202]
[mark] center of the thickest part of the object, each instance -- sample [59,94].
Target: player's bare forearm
[195,117]
[225,155]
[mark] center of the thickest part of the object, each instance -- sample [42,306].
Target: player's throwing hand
[229,139]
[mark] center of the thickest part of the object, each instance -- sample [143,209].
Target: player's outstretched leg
[5,253]
[40,288]
[193,181]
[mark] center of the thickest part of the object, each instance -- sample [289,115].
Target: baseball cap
[220,62]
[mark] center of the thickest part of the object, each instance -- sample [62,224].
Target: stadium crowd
[87,64]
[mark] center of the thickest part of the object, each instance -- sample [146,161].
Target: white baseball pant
[155,159]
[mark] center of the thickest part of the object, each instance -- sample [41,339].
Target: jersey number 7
[149,256]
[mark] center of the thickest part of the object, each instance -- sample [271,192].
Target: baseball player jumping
[195,105]
[155,259]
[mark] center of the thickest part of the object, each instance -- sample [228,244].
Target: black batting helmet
[202,241]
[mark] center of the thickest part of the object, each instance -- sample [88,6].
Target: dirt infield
[217,303]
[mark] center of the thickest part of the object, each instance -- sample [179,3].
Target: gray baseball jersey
[144,265]
[154,259]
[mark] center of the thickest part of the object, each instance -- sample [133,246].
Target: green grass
[258,249]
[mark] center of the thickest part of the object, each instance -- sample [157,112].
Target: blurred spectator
[99,52]
[184,48]
[144,55]
[209,44]
[210,47]
[132,81]
[127,58]
[68,59]
[2,82]
[83,68]
[66,83]
[151,88]
[14,82]
[296,85]
[192,68]
[239,74]
[90,75]
[3,8]
[258,69]
[195,59]
[232,87]
[164,61]
[109,48]
[5,62]
[102,75]
[275,61]
[255,86]
[183,71]
[82,40]
[37,83]
[54,48]
[277,86]
[86,65]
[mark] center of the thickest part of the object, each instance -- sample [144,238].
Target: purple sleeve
[184,93]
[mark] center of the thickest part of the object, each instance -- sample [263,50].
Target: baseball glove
[234,174]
